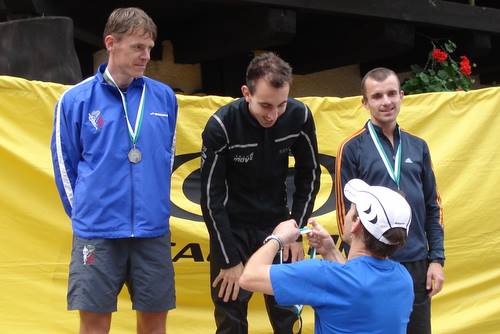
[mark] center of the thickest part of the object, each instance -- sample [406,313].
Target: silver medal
[134,155]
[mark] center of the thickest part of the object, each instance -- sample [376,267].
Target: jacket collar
[137,82]
[379,131]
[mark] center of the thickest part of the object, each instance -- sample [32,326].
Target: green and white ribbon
[133,133]
[394,172]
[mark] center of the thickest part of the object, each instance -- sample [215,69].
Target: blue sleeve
[65,153]
[303,282]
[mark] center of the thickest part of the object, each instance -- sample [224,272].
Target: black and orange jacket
[357,157]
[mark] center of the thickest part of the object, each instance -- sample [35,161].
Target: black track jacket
[244,168]
[357,157]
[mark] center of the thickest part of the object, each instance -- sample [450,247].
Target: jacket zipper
[132,220]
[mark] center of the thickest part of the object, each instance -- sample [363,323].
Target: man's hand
[295,249]
[288,232]
[229,282]
[435,278]
[320,239]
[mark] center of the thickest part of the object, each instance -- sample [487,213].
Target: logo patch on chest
[243,158]
[96,119]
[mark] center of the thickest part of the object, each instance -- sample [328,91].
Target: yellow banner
[462,130]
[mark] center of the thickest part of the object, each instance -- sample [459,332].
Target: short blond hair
[129,20]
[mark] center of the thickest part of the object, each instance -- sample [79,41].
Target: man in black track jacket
[245,153]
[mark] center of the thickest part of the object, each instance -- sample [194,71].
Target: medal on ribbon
[394,172]
[134,155]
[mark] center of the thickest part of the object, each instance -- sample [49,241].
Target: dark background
[221,35]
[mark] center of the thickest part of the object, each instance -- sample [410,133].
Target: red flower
[465,66]
[439,55]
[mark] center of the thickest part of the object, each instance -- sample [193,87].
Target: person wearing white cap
[368,293]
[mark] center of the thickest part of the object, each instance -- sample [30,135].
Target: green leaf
[449,46]
[423,77]
[442,82]
[437,88]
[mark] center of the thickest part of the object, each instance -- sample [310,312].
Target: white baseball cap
[379,208]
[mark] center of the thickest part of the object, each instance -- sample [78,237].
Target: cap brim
[353,188]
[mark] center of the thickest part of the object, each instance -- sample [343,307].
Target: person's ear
[246,92]
[109,41]
[364,102]
[356,225]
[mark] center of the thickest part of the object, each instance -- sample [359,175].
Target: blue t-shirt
[365,295]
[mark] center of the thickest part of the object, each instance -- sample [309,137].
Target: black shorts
[100,267]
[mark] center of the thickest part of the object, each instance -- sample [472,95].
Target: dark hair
[272,68]
[396,235]
[129,20]
[378,74]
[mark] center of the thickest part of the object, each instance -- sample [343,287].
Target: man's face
[348,221]
[383,100]
[267,103]
[129,54]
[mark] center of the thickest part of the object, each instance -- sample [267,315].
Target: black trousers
[231,316]
[420,317]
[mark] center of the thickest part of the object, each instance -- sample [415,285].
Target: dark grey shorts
[100,267]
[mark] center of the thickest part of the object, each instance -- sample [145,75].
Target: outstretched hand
[287,231]
[320,239]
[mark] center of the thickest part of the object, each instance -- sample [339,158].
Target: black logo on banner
[187,170]
[190,186]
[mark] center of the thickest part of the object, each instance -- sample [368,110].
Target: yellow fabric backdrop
[462,130]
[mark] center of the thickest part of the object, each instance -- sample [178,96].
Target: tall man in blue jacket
[113,147]
[383,154]
[246,147]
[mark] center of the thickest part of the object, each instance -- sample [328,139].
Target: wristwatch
[274,237]
[440,261]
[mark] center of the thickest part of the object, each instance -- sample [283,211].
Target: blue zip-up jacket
[105,195]
[357,157]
